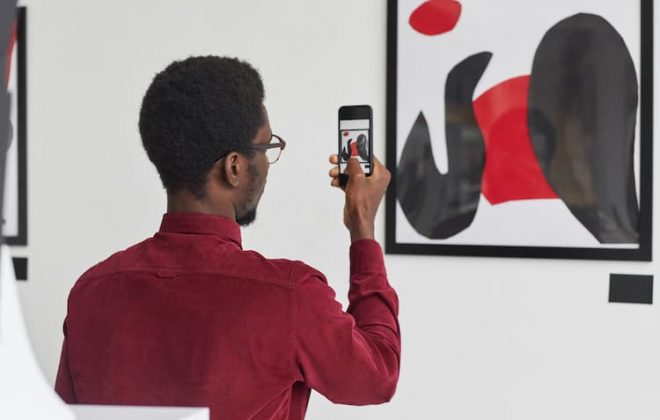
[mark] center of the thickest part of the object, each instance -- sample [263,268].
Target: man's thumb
[353,167]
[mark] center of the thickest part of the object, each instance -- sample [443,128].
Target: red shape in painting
[435,17]
[10,54]
[354,149]
[512,171]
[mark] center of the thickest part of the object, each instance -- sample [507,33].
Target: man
[189,318]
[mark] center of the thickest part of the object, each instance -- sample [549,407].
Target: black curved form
[439,206]
[582,110]
[346,151]
[362,147]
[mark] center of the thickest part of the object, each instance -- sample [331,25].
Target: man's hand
[363,195]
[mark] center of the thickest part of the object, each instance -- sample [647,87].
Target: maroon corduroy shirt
[189,318]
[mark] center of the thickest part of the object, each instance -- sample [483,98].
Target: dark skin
[363,195]
[235,184]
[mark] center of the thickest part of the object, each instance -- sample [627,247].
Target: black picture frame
[642,253]
[21,239]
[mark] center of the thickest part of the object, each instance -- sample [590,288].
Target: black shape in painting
[582,106]
[437,205]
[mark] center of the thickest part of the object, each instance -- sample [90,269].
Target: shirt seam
[176,272]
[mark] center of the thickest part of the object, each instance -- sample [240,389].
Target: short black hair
[194,112]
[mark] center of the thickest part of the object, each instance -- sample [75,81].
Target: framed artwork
[520,129]
[14,228]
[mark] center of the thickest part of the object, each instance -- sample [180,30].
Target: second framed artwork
[520,129]
[14,228]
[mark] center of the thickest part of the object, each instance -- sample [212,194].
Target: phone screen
[355,143]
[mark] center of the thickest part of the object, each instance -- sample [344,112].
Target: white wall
[483,338]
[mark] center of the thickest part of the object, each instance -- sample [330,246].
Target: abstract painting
[14,226]
[520,129]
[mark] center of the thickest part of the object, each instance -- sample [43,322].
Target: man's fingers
[377,163]
[378,166]
[380,171]
[334,171]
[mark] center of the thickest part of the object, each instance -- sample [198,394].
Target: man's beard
[247,217]
[249,212]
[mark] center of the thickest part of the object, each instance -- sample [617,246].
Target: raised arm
[351,357]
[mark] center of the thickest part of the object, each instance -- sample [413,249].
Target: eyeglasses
[273,148]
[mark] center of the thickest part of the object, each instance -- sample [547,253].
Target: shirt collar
[201,224]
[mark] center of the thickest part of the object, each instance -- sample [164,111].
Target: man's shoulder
[115,262]
[291,271]
[247,264]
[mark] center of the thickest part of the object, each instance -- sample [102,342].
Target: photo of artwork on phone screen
[354,144]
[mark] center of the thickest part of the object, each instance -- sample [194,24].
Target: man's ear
[231,167]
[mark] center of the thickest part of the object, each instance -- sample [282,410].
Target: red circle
[435,17]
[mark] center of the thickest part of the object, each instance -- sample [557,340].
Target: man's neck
[185,201]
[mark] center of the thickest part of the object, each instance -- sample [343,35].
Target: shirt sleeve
[64,383]
[350,357]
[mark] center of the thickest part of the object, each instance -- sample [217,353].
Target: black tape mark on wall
[439,206]
[582,112]
[20,268]
[627,288]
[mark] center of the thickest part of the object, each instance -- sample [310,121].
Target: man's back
[187,318]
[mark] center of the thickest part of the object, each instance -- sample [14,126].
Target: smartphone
[355,139]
